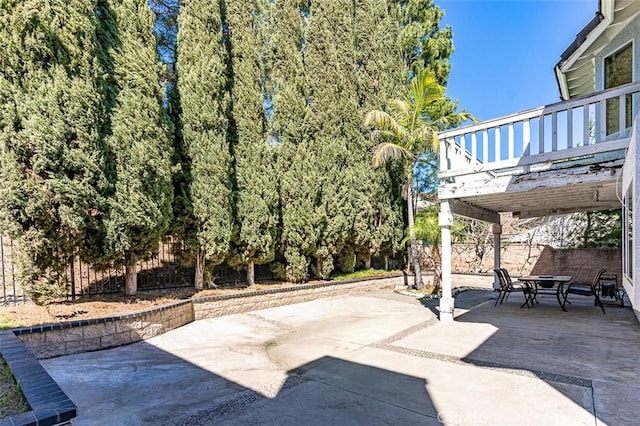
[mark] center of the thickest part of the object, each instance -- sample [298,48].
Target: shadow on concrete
[330,391]
[581,348]
[464,299]
[275,367]
[142,384]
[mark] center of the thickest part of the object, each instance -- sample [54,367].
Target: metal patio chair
[507,286]
[585,289]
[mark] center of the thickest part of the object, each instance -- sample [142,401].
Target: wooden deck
[555,159]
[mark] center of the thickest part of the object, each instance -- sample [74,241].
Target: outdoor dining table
[545,284]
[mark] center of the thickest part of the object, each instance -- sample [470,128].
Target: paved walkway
[373,359]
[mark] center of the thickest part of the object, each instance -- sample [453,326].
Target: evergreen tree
[139,140]
[256,192]
[295,159]
[379,226]
[423,44]
[204,103]
[51,155]
[378,61]
[334,129]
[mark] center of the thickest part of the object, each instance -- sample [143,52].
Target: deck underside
[566,187]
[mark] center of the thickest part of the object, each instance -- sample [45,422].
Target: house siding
[630,33]
[631,176]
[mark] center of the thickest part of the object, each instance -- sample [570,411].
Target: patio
[379,358]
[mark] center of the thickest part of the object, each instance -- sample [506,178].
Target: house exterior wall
[631,176]
[630,33]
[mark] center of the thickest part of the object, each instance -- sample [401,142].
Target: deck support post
[445,219]
[497,232]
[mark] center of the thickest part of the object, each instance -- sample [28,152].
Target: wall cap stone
[49,404]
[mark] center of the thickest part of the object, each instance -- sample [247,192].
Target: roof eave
[584,39]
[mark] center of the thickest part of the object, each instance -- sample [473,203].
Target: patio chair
[507,286]
[610,289]
[585,289]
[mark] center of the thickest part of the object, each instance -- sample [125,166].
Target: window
[627,248]
[618,70]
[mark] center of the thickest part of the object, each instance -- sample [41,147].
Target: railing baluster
[541,135]
[622,116]
[603,121]
[485,146]
[463,147]
[510,142]
[570,128]
[444,154]
[526,138]
[586,124]
[474,146]
[554,132]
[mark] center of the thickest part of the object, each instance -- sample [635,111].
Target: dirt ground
[104,306]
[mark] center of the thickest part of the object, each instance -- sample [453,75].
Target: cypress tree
[256,192]
[138,139]
[423,43]
[334,127]
[51,155]
[378,56]
[379,226]
[297,177]
[204,102]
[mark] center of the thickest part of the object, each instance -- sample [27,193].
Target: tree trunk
[198,279]
[386,262]
[419,284]
[437,268]
[130,280]
[251,272]
[367,261]
[319,265]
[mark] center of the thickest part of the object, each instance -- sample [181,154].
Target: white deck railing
[565,130]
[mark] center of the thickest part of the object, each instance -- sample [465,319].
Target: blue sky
[505,51]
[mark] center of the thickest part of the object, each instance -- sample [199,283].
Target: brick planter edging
[52,340]
[49,404]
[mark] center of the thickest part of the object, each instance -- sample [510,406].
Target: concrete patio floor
[377,358]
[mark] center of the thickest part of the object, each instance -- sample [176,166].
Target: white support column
[497,232]
[446,302]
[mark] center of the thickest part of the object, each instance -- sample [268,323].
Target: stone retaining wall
[51,340]
[215,306]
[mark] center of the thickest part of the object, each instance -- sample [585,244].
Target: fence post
[73,279]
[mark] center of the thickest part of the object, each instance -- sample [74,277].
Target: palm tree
[410,129]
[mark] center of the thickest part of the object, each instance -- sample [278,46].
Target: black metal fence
[11,291]
[163,271]
[168,269]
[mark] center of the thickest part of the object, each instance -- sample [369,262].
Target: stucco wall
[522,259]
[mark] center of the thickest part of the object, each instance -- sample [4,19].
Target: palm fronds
[387,151]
